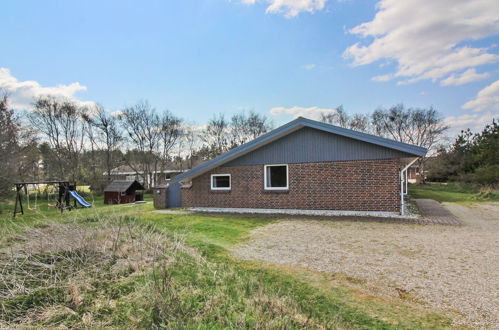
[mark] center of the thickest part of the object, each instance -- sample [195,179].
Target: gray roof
[291,127]
[123,185]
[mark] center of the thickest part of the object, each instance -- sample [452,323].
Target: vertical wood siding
[311,145]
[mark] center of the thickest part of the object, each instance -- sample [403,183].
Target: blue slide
[79,199]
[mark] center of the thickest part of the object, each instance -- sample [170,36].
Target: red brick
[368,185]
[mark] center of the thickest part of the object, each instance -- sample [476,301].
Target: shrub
[484,175]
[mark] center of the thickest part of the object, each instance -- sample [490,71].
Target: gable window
[220,182]
[276,177]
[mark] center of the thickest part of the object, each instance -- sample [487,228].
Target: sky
[281,58]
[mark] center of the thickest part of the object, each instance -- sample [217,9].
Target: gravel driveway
[447,267]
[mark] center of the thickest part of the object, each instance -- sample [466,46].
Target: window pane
[276,177]
[221,181]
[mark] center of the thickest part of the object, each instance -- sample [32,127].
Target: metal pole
[406,181]
[402,177]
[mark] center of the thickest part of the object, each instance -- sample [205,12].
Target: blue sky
[298,57]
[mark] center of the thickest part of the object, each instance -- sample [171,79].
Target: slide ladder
[79,199]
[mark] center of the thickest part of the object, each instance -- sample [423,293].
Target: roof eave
[290,128]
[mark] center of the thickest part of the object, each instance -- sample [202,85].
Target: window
[220,182]
[276,177]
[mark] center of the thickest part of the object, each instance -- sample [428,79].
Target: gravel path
[448,267]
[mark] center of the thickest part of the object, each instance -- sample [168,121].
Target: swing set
[66,191]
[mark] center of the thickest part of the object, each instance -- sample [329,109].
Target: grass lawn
[201,288]
[443,192]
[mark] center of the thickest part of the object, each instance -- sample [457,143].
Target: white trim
[265,177]
[330,213]
[221,188]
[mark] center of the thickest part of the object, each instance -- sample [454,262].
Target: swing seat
[32,209]
[52,205]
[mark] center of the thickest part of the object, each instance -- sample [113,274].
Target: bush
[485,175]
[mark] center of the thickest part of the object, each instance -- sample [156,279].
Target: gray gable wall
[312,145]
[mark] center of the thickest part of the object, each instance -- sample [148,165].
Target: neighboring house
[123,191]
[305,165]
[417,173]
[414,174]
[126,172]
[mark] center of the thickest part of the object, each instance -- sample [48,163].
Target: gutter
[403,183]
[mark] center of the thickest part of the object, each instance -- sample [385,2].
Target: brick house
[302,165]
[414,174]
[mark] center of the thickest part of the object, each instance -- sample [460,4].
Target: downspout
[403,182]
[406,182]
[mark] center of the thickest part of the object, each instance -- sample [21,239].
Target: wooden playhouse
[123,191]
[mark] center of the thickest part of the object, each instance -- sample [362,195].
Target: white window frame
[265,177]
[221,188]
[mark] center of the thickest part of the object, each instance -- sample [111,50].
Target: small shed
[161,196]
[123,191]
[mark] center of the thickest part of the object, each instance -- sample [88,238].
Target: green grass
[223,292]
[443,192]
[215,235]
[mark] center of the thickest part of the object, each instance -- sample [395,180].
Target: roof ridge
[359,133]
[289,128]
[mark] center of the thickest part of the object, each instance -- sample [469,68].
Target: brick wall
[367,185]
[160,197]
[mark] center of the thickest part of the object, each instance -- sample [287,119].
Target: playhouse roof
[123,185]
[300,122]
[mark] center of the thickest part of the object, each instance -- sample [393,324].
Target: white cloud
[23,93]
[474,121]
[311,112]
[290,8]
[467,76]
[309,66]
[426,37]
[382,78]
[487,99]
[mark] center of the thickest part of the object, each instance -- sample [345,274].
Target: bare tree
[417,126]
[170,128]
[216,135]
[59,122]
[360,122]
[338,118]
[247,127]
[425,127]
[221,135]
[357,122]
[391,122]
[108,135]
[142,126]
[187,146]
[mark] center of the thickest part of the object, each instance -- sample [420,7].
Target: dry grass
[47,272]
[115,272]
